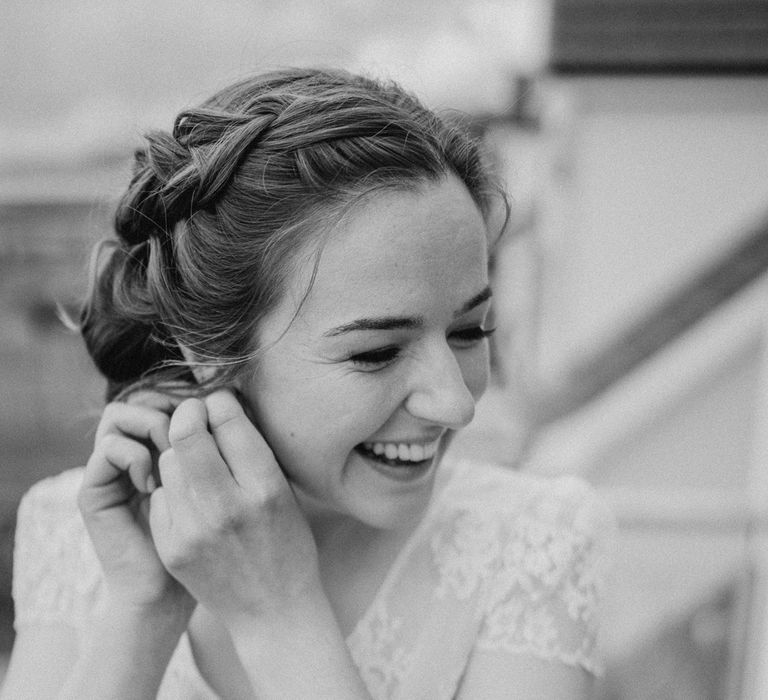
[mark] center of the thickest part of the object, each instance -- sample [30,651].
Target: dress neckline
[393,572]
[440,488]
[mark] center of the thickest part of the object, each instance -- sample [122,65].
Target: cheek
[317,418]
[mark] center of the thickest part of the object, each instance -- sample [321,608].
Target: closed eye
[379,356]
[467,337]
[463,338]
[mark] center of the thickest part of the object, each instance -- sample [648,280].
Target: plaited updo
[219,211]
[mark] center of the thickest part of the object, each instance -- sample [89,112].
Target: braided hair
[219,210]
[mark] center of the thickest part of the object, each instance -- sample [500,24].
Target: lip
[416,440]
[413,472]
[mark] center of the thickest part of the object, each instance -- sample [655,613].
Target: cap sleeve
[544,598]
[56,575]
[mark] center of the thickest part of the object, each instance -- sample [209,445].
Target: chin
[394,512]
[402,515]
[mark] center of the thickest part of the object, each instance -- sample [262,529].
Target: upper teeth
[403,451]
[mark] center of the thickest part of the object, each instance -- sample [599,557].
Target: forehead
[424,247]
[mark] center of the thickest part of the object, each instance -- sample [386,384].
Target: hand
[114,501]
[225,521]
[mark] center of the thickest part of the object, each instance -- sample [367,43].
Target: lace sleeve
[56,575]
[544,597]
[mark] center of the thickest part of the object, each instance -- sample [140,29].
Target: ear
[201,372]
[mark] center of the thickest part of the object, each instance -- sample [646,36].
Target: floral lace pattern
[502,562]
[537,575]
[56,576]
[465,553]
[374,642]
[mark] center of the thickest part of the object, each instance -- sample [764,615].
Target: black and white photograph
[384,350]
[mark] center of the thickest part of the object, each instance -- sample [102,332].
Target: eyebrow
[388,323]
[476,300]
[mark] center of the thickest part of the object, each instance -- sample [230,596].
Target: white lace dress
[502,561]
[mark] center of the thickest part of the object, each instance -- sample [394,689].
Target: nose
[439,393]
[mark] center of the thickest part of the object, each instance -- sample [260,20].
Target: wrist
[299,653]
[165,617]
[174,601]
[311,610]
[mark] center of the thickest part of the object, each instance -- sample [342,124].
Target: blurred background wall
[630,287]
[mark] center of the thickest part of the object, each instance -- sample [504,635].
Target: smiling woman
[385,356]
[293,323]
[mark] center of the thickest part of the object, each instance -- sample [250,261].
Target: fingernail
[151,483]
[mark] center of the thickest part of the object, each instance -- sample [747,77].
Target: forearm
[301,655]
[125,652]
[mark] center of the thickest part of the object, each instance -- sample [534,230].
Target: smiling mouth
[400,455]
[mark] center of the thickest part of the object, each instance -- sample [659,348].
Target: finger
[241,445]
[160,519]
[199,468]
[186,500]
[171,473]
[157,400]
[116,455]
[143,423]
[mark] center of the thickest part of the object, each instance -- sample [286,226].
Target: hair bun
[119,325]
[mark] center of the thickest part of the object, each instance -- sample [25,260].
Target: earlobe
[204,373]
[201,372]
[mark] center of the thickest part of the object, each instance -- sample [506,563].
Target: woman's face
[385,357]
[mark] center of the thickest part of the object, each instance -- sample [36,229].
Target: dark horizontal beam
[660,36]
[672,317]
[660,68]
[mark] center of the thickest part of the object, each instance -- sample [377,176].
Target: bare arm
[302,655]
[123,654]
[50,647]
[122,650]
[502,676]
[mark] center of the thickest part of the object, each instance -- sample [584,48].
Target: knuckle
[111,409]
[226,519]
[181,556]
[108,419]
[273,495]
[109,442]
[132,452]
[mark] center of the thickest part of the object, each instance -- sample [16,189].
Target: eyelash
[474,334]
[382,356]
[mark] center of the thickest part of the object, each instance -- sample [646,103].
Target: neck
[329,525]
[341,535]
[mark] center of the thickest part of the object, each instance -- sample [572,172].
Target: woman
[293,324]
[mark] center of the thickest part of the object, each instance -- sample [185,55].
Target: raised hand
[114,500]
[225,521]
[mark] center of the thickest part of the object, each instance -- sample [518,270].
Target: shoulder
[533,552]
[58,492]
[487,518]
[523,518]
[506,495]
[56,572]
[48,512]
